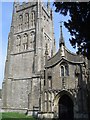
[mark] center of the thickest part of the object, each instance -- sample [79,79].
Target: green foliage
[16,116]
[78,25]
[0,116]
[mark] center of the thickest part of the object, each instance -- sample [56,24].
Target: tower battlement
[24,5]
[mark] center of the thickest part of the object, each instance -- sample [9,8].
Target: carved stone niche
[77,70]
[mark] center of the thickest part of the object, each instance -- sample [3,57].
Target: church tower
[31,29]
[37,80]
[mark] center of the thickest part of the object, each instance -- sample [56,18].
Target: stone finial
[15,5]
[16,2]
[48,4]
[51,14]
[61,36]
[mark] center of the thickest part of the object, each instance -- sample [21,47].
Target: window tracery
[25,42]
[18,42]
[49,101]
[26,20]
[20,21]
[32,42]
[18,39]
[32,18]
[27,17]
[21,18]
[64,69]
[45,96]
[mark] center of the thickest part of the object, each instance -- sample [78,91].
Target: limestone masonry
[37,80]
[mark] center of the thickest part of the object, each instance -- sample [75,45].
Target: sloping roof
[70,57]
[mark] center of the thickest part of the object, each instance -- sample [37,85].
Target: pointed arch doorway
[65,108]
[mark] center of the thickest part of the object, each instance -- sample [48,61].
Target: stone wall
[0,100]
[0,105]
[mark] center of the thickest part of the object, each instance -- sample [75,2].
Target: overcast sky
[6,9]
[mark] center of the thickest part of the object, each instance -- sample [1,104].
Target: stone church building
[38,80]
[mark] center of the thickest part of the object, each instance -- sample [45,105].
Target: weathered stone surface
[36,79]
[25,57]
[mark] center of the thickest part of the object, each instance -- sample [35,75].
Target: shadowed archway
[65,108]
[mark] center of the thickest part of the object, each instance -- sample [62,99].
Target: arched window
[20,21]
[64,69]
[32,39]
[27,17]
[45,96]
[20,18]
[32,18]
[18,40]
[26,20]
[25,42]
[25,38]
[49,96]
[49,102]
[18,43]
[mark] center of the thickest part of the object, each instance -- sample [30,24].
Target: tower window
[18,40]
[18,43]
[20,22]
[25,46]
[32,40]
[33,19]
[21,18]
[25,42]
[27,19]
